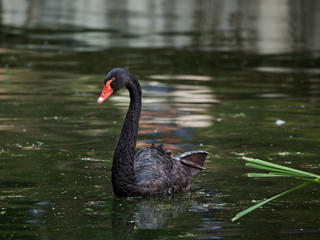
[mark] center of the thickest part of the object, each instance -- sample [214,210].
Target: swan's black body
[152,171]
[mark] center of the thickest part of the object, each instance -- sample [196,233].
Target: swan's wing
[152,163]
[158,173]
[193,160]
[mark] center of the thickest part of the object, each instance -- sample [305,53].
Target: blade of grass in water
[260,175]
[279,171]
[276,171]
[310,180]
[258,166]
[274,174]
[273,165]
[241,214]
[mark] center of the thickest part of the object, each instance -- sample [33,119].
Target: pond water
[228,77]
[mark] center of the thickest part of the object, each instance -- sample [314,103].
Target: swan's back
[158,173]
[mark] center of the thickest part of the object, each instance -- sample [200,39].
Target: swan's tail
[194,160]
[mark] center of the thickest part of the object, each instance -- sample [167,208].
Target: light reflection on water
[315,71]
[275,26]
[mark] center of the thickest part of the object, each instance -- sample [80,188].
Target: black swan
[152,171]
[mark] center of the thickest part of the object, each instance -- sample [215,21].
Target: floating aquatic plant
[276,170]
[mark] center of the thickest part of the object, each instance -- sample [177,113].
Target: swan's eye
[113,79]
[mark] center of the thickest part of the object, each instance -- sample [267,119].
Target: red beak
[106,92]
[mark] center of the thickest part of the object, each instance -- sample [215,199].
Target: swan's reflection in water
[167,212]
[148,213]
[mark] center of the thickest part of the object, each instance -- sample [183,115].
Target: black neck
[123,178]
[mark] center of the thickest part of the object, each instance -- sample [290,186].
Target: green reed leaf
[261,175]
[276,171]
[244,212]
[257,166]
[280,167]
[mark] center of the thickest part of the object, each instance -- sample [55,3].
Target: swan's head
[116,79]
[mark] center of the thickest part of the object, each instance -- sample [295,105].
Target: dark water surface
[229,77]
